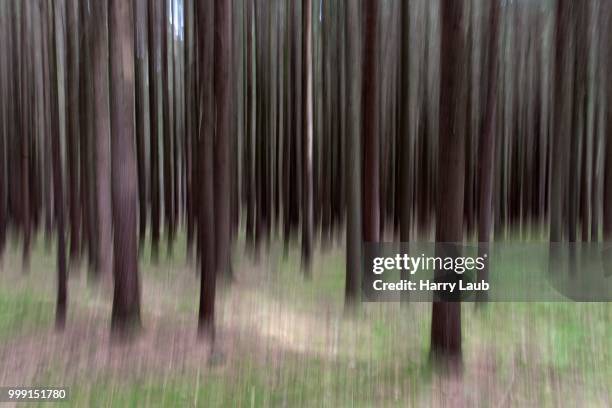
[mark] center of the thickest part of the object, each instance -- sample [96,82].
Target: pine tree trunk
[446,316]
[206,211]
[124,176]
[222,92]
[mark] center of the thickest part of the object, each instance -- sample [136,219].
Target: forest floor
[285,341]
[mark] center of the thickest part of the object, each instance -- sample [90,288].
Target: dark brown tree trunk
[126,298]
[446,316]
[85,141]
[607,171]
[101,119]
[222,91]
[190,103]
[353,163]
[406,173]
[560,144]
[154,33]
[206,211]
[371,144]
[486,146]
[58,194]
[140,45]
[248,180]
[307,135]
[72,117]
[167,177]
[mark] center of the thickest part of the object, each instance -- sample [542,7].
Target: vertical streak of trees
[72,139]
[62,287]
[307,135]
[101,119]
[155,61]
[446,316]
[206,169]
[124,176]
[371,144]
[222,92]
[486,147]
[354,231]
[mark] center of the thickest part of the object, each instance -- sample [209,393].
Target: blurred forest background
[202,174]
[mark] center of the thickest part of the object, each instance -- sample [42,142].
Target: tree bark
[206,211]
[486,148]
[353,162]
[446,316]
[58,194]
[154,35]
[222,92]
[307,126]
[126,297]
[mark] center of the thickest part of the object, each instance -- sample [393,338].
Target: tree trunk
[72,140]
[206,211]
[446,316]
[222,92]
[154,117]
[126,298]
[307,126]
[486,148]
[101,119]
[140,45]
[353,162]
[58,194]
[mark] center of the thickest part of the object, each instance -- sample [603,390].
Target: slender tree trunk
[126,298]
[607,171]
[72,141]
[140,45]
[446,316]
[62,287]
[222,91]
[101,119]
[167,147]
[307,126]
[560,145]
[206,211]
[155,62]
[486,148]
[371,143]
[353,162]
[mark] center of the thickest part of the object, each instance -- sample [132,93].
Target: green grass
[542,353]
[22,311]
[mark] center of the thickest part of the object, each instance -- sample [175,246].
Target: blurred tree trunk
[58,194]
[85,146]
[206,211]
[371,143]
[126,298]
[190,102]
[446,316]
[222,91]
[140,45]
[72,117]
[248,169]
[154,33]
[607,171]
[353,162]
[307,129]
[406,162]
[560,144]
[486,147]
[167,177]
[101,119]
[4,127]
